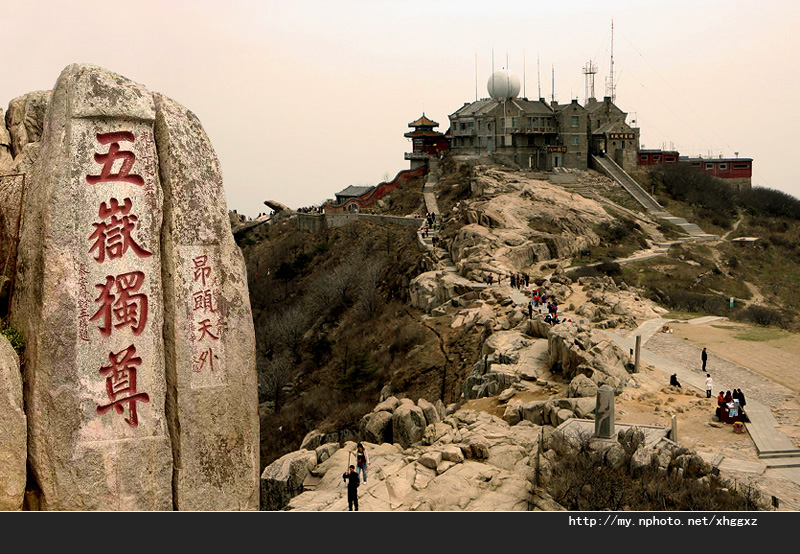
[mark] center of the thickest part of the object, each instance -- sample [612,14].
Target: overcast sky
[303,98]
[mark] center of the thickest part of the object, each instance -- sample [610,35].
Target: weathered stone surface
[312,440]
[378,427]
[92,314]
[387,405]
[13,430]
[582,386]
[212,405]
[25,119]
[408,424]
[513,414]
[283,478]
[5,145]
[429,410]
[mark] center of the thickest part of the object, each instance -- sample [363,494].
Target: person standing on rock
[709,384]
[704,357]
[351,478]
[361,461]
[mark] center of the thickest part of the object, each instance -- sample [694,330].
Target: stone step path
[615,172]
[774,448]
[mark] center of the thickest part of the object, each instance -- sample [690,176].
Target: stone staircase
[615,172]
[431,206]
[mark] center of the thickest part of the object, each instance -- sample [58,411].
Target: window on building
[463,126]
[643,157]
[656,157]
[513,121]
[670,159]
[502,122]
[723,166]
[575,120]
[575,139]
[739,166]
[709,165]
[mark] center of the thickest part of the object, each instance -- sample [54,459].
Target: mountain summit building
[537,135]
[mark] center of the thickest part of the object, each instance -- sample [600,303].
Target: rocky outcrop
[513,222]
[575,350]
[212,400]
[283,478]
[132,297]
[13,430]
[478,463]
[25,119]
[433,288]
[92,313]
[607,300]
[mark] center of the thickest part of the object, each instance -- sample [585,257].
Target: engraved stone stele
[604,413]
[212,401]
[13,438]
[88,299]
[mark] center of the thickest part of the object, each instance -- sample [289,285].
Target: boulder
[534,412]
[513,414]
[387,405]
[582,386]
[312,440]
[431,459]
[408,424]
[377,427]
[429,411]
[326,451]
[25,119]
[13,430]
[212,403]
[283,478]
[92,309]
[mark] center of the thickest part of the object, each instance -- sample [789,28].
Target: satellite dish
[503,85]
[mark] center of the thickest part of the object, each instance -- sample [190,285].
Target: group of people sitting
[730,406]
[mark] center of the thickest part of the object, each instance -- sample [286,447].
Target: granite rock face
[13,430]
[89,300]
[212,404]
[125,411]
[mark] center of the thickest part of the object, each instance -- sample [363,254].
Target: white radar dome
[503,85]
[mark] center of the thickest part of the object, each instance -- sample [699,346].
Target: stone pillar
[637,353]
[88,299]
[604,413]
[673,435]
[212,405]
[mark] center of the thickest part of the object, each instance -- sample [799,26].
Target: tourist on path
[704,357]
[361,461]
[673,380]
[709,384]
[351,478]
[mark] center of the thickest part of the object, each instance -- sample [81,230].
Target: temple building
[426,142]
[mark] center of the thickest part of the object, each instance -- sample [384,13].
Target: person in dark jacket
[704,358]
[352,480]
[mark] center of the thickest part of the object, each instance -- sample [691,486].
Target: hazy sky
[303,98]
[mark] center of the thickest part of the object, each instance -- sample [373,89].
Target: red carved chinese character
[206,356]
[128,309]
[114,154]
[203,300]
[205,325]
[121,380]
[201,270]
[114,238]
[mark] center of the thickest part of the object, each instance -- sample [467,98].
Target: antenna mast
[553,85]
[538,76]
[610,87]
[524,82]
[476,75]
[589,71]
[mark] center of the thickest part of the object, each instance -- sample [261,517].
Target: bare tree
[272,377]
[370,296]
[290,327]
